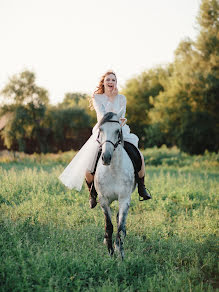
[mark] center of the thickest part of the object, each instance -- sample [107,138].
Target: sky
[69,44]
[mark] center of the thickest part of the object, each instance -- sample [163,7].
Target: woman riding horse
[106,98]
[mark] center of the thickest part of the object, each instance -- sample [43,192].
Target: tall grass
[51,241]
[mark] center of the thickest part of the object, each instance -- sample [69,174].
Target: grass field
[51,241]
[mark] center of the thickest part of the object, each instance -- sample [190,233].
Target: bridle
[114,145]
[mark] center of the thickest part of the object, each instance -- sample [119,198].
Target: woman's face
[109,83]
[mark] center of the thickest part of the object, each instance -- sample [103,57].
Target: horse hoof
[92,203]
[119,250]
[111,252]
[122,254]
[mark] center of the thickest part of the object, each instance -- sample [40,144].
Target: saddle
[133,154]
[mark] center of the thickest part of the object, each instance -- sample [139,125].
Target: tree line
[176,104]
[34,125]
[179,104]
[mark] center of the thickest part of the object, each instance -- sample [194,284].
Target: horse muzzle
[106,158]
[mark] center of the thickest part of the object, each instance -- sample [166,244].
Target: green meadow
[51,241]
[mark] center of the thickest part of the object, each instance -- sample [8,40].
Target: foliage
[78,100]
[27,103]
[72,99]
[180,105]
[25,127]
[68,128]
[187,111]
[51,240]
[21,89]
[138,92]
[35,126]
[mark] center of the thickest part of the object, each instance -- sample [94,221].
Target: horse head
[110,135]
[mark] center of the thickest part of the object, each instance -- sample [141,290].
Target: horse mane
[106,118]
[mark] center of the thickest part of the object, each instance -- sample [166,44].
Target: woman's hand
[115,91]
[123,121]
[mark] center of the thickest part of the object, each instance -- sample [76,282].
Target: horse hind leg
[108,229]
[121,228]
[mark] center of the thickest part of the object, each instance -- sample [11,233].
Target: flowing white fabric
[73,175]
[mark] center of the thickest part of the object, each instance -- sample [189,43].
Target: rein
[114,145]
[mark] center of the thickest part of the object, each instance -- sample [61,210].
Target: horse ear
[120,112]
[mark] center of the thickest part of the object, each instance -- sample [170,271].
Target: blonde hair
[100,87]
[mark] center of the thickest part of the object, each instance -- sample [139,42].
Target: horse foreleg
[108,229]
[121,223]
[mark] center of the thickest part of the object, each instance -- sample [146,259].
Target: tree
[21,89]
[27,102]
[78,100]
[139,91]
[187,111]
[68,128]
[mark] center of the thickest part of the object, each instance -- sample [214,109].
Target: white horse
[114,179]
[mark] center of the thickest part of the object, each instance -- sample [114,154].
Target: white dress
[73,175]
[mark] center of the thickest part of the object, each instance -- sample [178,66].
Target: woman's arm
[123,106]
[98,106]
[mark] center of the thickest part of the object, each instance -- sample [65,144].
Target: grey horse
[114,179]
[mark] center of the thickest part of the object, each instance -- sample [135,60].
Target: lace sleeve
[123,106]
[98,106]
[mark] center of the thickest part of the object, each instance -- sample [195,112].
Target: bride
[104,99]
